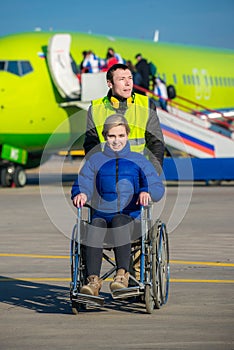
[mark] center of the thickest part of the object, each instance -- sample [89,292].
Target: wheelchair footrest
[89,300]
[126,292]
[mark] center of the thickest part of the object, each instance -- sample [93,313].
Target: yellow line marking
[78,152]
[37,279]
[207,263]
[58,279]
[35,256]
[176,262]
[199,281]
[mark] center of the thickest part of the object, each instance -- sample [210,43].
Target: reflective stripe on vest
[136,114]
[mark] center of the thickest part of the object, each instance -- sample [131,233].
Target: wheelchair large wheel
[160,264]
[149,298]
[78,275]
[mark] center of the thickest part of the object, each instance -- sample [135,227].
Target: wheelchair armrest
[146,210]
[84,213]
[149,205]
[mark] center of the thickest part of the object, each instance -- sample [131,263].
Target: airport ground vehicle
[153,286]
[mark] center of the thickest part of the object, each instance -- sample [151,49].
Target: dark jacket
[114,180]
[142,68]
[153,135]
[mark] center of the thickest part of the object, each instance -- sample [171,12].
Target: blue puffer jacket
[114,180]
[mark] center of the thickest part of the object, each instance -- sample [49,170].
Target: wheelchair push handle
[79,213]
[84,213]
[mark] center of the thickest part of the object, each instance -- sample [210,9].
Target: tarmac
[35,310]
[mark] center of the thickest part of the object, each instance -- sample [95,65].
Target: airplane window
[220,81]
[206,80]
[193,80]
[174,79]
[197,80]
[211,81]
[164,77]
[188,79]
[26,67]
[184,79]
[216,81]
[229,81]
[225,81]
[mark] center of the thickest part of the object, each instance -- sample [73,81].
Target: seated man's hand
[80,200]
[144,198]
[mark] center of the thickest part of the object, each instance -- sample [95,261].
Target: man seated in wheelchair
[117,182]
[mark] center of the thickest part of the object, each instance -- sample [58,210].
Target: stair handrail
[194,112]
[171,102]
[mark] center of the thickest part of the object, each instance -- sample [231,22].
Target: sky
[199,22]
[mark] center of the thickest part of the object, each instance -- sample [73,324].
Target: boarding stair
[187,127]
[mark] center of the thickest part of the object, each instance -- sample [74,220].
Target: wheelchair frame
[153,246]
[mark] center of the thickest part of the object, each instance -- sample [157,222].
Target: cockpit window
[19,68]
[2,65]
[26,67]
[12,67]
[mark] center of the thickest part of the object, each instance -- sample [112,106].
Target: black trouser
[120,228]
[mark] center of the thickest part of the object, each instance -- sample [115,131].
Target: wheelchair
[152,288]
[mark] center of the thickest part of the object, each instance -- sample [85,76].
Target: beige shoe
[120,280]
[93,287]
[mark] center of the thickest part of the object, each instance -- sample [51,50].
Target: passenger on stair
[91,62]
[142,68]
[161,90]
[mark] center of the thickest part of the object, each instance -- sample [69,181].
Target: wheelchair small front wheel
[75,308]
[149,300]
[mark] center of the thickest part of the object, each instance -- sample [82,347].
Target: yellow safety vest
[136,114]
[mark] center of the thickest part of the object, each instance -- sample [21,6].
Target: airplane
[41,93]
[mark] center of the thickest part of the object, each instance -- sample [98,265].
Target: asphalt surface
[35,310]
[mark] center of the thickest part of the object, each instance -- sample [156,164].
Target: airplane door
[59,61]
